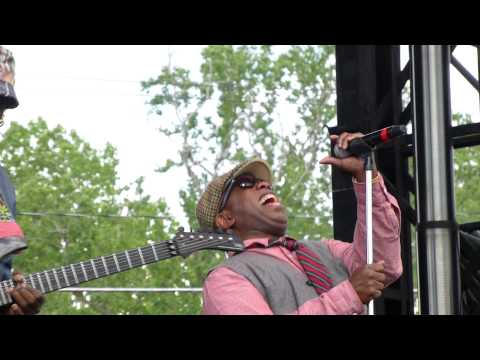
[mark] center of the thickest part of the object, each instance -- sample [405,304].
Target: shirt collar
[263,241]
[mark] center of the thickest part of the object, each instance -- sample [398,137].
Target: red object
[10,229]
[384,135]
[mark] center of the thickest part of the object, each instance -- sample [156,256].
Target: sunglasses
[244,181]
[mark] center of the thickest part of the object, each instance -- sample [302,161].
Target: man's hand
[369,281]
[351,164]
[27,301]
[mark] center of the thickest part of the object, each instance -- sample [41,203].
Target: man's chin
[279,232]
[281,227]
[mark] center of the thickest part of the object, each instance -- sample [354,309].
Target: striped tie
[318,275]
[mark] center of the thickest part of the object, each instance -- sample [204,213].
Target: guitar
[183,244]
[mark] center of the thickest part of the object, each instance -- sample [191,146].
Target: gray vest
[282,285]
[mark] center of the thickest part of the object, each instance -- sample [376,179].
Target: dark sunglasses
[244,181]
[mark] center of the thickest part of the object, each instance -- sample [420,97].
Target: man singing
[277,274]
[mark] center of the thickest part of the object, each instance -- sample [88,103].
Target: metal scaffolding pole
[436,230]
[133,290]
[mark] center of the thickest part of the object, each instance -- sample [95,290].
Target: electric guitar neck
[183,244]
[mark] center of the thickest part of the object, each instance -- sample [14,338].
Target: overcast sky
[96,91]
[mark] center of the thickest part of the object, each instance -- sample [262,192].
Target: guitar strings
[189,245]
[101,271]
[109,261]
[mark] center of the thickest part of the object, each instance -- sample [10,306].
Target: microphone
[366,143]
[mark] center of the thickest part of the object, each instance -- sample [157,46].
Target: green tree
[56,172]
[231,113]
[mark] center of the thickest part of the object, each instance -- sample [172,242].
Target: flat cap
[209,203]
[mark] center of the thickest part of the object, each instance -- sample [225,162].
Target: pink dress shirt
[228,293]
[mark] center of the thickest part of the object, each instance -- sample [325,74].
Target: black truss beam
[466,135]
[466,74]
[406,114]
[369,86]
[478,62]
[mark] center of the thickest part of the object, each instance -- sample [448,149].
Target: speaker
[470,267]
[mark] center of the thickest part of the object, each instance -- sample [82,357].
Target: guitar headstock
[188,242]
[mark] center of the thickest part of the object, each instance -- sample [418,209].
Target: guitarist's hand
[27,300]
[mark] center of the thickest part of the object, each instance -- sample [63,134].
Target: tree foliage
[59,173]
[230,112]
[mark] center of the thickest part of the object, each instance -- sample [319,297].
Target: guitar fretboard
[73,274]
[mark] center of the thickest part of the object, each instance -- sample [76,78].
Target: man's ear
[225,220]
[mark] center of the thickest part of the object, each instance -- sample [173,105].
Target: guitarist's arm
[27,300]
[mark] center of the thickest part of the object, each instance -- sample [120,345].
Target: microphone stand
[368,166]
[364,151]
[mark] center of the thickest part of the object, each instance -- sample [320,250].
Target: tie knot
[290,244]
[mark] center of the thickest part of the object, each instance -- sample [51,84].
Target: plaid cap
[209,203]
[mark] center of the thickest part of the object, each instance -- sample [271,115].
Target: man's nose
[262,184]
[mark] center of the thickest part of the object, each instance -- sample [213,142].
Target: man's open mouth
[269,200]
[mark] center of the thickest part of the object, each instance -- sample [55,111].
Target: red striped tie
[318,275]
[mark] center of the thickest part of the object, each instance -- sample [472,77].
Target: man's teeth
[267,198]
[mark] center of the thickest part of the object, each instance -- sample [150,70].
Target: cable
[134,290]
[27,213]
